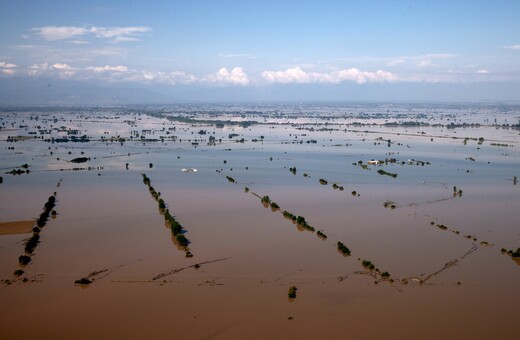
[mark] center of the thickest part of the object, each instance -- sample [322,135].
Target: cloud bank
[236,76]
[298,76]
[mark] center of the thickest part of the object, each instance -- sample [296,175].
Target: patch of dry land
[292,221]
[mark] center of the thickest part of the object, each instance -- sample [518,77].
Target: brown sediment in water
[16,227]
[109,220]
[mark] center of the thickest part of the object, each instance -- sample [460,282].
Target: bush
[288,215]
[292,292]
[32,243]
[343,249]
[321,234]
[83,281]
[442,226]
[183,241]
[366,263]
[383,172]
[176,228]
[24,259]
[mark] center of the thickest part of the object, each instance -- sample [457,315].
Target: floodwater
[440,245]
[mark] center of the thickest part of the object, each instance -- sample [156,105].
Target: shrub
[183,241]
[343,249]
[162,206]
[288,215]
[175,227]
[383,172]
[24,259]
[321,234]
[32,243]
[442,226]
[366,263]
[83,281]
[292,292]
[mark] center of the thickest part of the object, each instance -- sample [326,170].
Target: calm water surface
[108,225]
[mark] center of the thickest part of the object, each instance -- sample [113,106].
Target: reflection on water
[442,251]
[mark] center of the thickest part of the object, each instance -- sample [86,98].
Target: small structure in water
[189,170]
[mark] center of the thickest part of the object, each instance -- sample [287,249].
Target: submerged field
[273,221]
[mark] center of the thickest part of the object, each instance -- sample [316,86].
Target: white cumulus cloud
[3,64]
[298,76]
[61,70]
[7,68]
[482,71]
[236,76]
[291,75]
[60,66]
[37,69]
[361,77]
[64,70]
[108,68]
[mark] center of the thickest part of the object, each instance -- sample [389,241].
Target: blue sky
[300,47]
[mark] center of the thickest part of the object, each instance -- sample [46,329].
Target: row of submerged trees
[34,240]
[176,228]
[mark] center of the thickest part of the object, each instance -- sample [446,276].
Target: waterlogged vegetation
[343,249]
[292,292]
[455,194]
[378,275]
[383,172]
[176,228]
[32,242]
[512,253]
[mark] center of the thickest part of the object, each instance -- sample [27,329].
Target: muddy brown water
[107,222]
